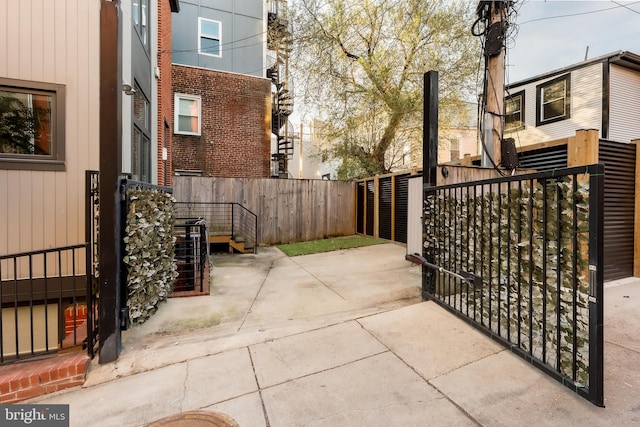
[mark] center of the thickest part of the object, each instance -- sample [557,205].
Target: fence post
[110,169]
[596,289]
[393,207]
[582,149]
[429,157]
[430,128]
[376,206]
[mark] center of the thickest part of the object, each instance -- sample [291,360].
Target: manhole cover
[196,419]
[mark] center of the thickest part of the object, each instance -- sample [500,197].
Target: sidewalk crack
[184,385]
[255,375]
[319,280]
[255,298]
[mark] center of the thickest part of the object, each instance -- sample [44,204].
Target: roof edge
[620,57]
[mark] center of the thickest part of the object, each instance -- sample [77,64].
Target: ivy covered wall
[149,251]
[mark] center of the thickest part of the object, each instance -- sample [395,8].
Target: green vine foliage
[529,244]
[150,251]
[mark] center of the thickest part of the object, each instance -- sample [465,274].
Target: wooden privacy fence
[390,206]
[288,210]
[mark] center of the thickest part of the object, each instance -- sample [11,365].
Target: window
[209,37]
[31,125]
[141,20]
[514,112]
[140,156]
[187,114]
[141,140]
[553,100]
[454,149]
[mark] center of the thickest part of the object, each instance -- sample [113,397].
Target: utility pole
[494,89]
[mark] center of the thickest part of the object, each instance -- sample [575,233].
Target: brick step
[26,380]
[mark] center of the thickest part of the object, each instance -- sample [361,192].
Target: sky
[547,38]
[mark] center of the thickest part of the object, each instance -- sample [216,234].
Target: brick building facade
[165,95]
[235,129]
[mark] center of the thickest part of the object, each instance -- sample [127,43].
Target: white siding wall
[624,124]
[586,108]
[55,41]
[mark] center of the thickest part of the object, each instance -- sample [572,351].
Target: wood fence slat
[287,210]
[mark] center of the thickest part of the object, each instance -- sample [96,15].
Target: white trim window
[187,114]
[209,37]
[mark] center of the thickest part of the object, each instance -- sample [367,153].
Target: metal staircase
[280,41]
[229,224]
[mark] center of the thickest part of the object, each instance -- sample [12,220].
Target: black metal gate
[521,259]
[92,218]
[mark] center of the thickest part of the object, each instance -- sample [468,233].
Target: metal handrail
[229,218]
[31,283]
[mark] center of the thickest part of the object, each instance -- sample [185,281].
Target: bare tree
[360,66]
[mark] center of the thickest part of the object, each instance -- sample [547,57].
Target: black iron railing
[44,304]
[521,259]
[92,218]
[224,219]
[191,254]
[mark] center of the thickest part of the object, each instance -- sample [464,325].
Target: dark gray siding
[243,35]
[619,204]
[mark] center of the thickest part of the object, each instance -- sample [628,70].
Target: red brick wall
[165,95]
[235,138]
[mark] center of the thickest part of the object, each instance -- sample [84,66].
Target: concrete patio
[341,338]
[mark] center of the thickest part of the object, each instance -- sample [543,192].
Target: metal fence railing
[43,295]
[520,258]
[224,219]
[92,236]
[191,253]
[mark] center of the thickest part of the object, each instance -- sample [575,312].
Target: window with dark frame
[553,100]
[141,140]
[141,20]
[514,112]
[209,37]
[31,125]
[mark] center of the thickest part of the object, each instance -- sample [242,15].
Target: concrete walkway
[342,339]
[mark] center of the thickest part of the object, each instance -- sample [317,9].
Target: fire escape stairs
[280,40]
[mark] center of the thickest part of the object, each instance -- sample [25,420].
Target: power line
[625,6]
[618,6]
[223,46]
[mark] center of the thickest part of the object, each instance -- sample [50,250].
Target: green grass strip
[327,245]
